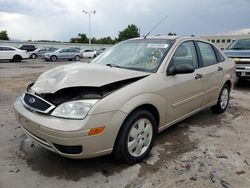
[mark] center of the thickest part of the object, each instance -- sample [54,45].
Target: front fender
[147,98]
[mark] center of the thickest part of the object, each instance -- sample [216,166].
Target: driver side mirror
[181,69]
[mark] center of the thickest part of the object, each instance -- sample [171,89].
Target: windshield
[140,54]
[58,50]
[240,45]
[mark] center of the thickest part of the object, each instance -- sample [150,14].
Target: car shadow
[242,85]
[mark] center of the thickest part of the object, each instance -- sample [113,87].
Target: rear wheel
[17,58]
[223,100]
[53,58]
[136,137]
[77,58]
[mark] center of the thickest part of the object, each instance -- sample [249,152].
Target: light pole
[89,13]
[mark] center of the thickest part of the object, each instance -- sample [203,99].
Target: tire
[137,138]
[53,58]
[33,56]
[17,58]
[95,56]
[77,58]
[223,100]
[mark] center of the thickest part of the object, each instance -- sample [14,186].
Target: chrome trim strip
[45,112]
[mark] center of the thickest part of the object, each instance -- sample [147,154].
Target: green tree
[82,38]
[105,40]
[171,34]
[131,31]
[4,35]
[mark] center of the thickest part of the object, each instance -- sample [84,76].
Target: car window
[7,49]
[71,50]
[185,54]
[219,55]
[207,54]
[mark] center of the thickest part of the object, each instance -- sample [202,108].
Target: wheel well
[17,55]
[229,84]
[152,109]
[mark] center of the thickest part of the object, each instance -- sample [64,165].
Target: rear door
[71,53]
[2,54]
[7,53]
[212,72]
[183,93]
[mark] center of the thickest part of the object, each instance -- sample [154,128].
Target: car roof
[8,46]
[170,38]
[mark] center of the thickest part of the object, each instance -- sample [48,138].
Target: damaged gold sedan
[122,99]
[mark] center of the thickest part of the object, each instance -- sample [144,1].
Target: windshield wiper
[113,65]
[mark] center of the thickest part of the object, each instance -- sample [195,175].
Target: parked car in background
[87,53]
[66,53]
[12,53]
[40,52]
[122,99]
[27,47]
[75,47]
[100,51]
[239,51]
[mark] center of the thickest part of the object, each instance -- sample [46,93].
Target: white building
[223,41]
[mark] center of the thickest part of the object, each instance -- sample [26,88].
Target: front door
[184,91]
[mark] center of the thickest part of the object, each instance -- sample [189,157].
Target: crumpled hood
[237,53]
[81,74]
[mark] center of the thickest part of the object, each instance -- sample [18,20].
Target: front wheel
[53,58]
[33,56]
[223,100]
[136,137]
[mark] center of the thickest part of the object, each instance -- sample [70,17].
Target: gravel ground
[205,150]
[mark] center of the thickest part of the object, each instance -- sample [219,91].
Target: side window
[185,54]
[207,54]
[219,55]
[7,49]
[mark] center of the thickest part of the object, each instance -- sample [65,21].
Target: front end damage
[65,136]
[46,102]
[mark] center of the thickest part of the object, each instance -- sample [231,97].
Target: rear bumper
[70,138]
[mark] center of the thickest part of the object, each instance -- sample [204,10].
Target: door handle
[220,68]
[198,76]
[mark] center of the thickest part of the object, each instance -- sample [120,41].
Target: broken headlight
[74,109]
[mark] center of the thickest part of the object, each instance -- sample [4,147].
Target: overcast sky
[63,19]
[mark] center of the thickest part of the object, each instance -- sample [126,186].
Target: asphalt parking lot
[205,150]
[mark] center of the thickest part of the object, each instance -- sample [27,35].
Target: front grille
[36,103]
[245,62]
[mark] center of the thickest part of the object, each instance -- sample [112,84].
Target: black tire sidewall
[17,58]
[124,132]
[217,108]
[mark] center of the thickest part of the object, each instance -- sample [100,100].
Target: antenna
[156,26]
